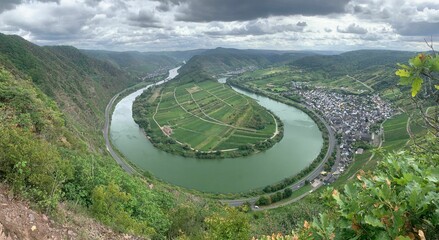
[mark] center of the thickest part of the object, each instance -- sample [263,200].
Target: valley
[283,138]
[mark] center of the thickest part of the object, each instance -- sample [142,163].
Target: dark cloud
[163,7]
[353,28]
[418,29]
[144,19]
[8,4]
[233,10]
[11,4]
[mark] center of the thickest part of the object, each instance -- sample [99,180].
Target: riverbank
[292,183]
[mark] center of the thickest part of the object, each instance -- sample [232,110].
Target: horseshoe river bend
[300,145]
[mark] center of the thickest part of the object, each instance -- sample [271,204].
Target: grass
[395,133]
[210,116]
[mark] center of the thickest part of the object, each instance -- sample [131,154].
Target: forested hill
[81,86]
[142,61]
[222,60]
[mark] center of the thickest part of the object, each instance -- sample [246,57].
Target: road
[108,110]
[106,131]
[315,173]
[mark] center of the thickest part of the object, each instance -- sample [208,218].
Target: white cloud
[148,25]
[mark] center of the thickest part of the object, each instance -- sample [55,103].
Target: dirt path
[205,120]
[362,83]
[277,128]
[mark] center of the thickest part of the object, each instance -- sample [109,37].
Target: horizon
[170,25]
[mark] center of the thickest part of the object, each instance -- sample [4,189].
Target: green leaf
[416,86]
[373,221]
[416,61]
[436,86]
[402,73]
[350,190]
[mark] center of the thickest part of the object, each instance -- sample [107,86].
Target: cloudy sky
[156,25]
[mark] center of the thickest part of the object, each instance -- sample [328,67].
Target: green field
[209,116]
[395,133]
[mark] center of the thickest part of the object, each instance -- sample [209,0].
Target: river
[301,143]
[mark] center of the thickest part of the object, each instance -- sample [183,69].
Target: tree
[422,75]
[263,201]
[232,224]
[287,192]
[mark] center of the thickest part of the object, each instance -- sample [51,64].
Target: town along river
[301,143]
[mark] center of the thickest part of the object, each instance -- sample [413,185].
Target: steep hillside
[45,158]
[79,84]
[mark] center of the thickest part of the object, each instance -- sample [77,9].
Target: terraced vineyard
[207,117]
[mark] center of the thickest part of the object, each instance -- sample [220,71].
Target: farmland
[205,118]
[278,79]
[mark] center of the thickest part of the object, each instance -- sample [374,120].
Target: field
[278,79]
[395,133]
[208,116]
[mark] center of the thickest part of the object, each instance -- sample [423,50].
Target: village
[354,118]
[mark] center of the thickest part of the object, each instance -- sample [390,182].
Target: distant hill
[223,60]
[82,86]
[141,63]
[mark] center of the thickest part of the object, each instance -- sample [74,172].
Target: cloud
[11,4]
[144,19]
[232,10]
[187,24]
[407,18]
[419,29]
[352,28]
[256,27]
[8,4]
[47,19]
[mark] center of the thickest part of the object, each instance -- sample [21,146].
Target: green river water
[301,143]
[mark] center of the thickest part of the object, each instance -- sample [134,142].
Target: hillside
[80,85]
[42,160]
[373,67]
[45,161]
